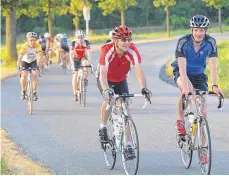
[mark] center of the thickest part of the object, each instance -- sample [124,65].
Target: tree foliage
[217,3]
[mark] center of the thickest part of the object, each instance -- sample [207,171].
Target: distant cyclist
[28,58]
[115,60]
[63,48]
[110,37]
[42,42]
[80,54]
[192,53]
[49,48]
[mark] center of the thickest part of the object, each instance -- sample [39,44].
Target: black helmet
[199,21]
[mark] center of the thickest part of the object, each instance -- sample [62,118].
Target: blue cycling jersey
[196,62]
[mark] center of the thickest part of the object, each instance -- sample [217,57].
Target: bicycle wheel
[109,148]
[130,137]
[80,90]
[204,140]
[30,97]
[84,93]
[185,149]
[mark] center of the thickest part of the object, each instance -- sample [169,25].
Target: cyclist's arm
[183,72]
[19,60]
[213,70]
[103,77]
[89,55]
[140,75]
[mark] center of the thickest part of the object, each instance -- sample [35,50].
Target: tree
[76,9]
[52,8]
[218,4]
[109,6]
[13,9]
[166,4]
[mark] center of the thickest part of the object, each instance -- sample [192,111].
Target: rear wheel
[64,64]
[186,152]
[130,135]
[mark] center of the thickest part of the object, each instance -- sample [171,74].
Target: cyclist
[28,58]
[42,42]
[63,48]
[49,48]
[110,37]
[80,54]
[115,60]
[191,54]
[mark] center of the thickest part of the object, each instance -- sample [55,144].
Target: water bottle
[191,117]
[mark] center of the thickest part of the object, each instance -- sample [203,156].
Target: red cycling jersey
[80,49]
[118,67]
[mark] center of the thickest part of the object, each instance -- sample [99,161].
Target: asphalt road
[64,135]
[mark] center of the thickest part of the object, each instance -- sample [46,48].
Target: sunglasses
[80,37]
[126,39]
[32,40]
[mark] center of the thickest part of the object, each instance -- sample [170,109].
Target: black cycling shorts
[118,87]
[65,47]
[199,81]
[25,65]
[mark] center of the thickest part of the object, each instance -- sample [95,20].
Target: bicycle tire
[109,148]
[135,142]
[30,97]
[186,153]
[64,65]
[80,91]
[209,153]
[84,94]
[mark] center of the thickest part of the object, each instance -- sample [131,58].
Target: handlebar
[198,92]
[147,100]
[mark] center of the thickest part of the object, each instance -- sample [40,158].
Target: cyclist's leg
[67,57]
[180,120]
[35,75]
[61,55]
[85,62]
[23,79]
[76,64]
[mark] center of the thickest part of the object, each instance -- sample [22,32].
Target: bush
[179,22]
[226,21]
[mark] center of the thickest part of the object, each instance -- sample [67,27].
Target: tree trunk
[49,18]
[11,49]
[76,22]
[220,20]
[122,17]
[167,21]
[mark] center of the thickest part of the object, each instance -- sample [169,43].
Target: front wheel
[29,94]
[109,148]
[204,151]
[84,93]
[130,148]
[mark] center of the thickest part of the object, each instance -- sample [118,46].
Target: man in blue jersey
[192,52]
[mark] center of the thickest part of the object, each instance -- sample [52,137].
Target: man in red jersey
[80,54]
[115,60]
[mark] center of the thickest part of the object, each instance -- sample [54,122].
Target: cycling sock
[103,125]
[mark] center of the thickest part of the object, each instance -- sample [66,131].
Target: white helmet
[79,33]
[47,35]
[111,34]
[199,21]
[31,34]
[59,36]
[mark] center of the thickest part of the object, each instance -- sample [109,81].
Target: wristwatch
[214,86]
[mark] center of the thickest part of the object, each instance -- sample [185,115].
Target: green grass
[223,67]
[4,169]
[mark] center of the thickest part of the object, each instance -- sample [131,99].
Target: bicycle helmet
[31,34]
[122,32]
[111,34]
[47,35]
[79,33]
[199,21]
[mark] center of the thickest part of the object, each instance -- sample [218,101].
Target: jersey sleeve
[88,44]
[214,52]
[23,49]
[38,48]
[135,56]
[102,56]
[72,45]
[180,48]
